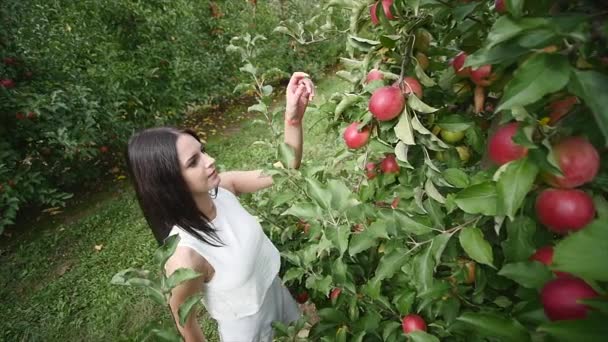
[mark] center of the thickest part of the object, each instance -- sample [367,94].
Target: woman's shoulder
[186,257]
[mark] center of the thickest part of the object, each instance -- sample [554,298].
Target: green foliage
[449,236]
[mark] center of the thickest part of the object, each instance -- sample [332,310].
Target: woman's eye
[203,149]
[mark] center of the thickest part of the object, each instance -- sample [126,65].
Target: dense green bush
[79,77]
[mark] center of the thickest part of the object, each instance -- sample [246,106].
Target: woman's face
[198,168]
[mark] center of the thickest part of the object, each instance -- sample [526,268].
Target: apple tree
[466,196]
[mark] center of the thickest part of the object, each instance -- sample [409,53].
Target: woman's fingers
[295,80]
[310,88]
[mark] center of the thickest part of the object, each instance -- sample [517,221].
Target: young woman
[181,192]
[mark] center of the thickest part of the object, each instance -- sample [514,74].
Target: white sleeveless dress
[245,294]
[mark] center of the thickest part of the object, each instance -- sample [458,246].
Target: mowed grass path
[55,280]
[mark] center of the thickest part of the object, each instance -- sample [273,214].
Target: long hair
[161,190]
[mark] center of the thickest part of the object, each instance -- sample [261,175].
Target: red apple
[104,149]
[7,83]
[578,160]
[544,255]
[386,103]
[500,6]
[20,116]
[302,297]
[413,322]
[370,169]
[560,298]
[458,63]
[410,85]
[9,61]
[374,75]
[564,210]
[501,147]
[389,164]
[561,107]
[480,75]
[355,138]
[395,202]
[335,293]
[372,13]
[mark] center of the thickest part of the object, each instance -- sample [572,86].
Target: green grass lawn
[55,280]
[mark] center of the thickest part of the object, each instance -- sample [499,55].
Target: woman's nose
[208,160]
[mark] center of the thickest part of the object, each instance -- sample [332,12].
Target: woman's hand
[300,91]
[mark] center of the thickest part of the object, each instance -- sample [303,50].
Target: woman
[181,192]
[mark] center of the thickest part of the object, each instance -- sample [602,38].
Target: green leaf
[495,326]
[513,186]
[601,206]
[404,301]
[527,274]
[592,329]
[416,104]
[515,7]
[432,191]
[186,307]
[585,252]
[321,284]
[339,237]
[421,336]
[460,12]
[409,225]
[156,294]
[454,122]
[389,329]
[286,154]
[506,28]
[341,195]
[540,75]
[370,322]
[163,253]
[503,53]
[332,315]
[391,263]
[478,199]
[519,244]
[250,69]
[181,275]
[424,266]
[434,209]
[317,193]
[304,210]
[476,247]
[456,177]
[267,90]
[259,107]
[367,238]
[592,86]
[439,243]
[403,129]
[339,271]
[124,277]
[293,273]
[362,43]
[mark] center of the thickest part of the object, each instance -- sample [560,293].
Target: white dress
[245,294]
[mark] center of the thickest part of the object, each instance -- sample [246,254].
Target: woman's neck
[206,206]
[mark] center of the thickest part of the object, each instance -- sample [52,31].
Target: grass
[55,279]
